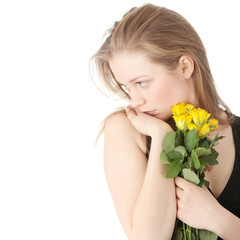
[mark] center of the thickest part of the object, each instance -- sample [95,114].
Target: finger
[137,110]
[131,114]
[130,107]
[179,193]
[179,204]
[180,209]
[180,182]
[130,111]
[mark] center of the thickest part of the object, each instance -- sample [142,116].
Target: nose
[137,100]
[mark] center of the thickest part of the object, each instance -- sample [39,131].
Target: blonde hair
[164,36]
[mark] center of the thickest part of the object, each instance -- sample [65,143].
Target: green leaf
[164,158]
[195,159]
[177,235]
[182,150]
[203,164]
[175,155]
[174,168]
[193,237]
[215,142]
[201,176]
[206,183]
[168,143]
[201,182]
[211,159]
[207,235]
[218,138]
[201,151]
[191,139]
[190,235]
[205,144]
[190,176]
[179,139]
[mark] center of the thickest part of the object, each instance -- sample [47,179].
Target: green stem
[197,234]
[197,141]
[184,231]
[189,232]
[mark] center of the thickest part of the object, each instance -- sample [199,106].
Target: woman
[154,58]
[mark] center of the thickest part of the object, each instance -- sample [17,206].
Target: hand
[196,206]
[146,124]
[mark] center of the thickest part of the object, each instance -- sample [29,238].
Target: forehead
[126,66]
[124,58]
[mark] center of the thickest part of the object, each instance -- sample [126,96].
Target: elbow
[153,230]
[147,237]
[151,234]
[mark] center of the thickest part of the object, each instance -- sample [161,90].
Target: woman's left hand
[146,124]
[196,206]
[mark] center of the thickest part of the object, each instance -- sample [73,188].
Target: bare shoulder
[119,128]
[118,121]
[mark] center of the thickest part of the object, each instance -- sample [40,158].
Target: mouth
[152,113]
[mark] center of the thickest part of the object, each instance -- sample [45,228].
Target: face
[151,86]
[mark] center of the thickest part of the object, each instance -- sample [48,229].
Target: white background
[52,184]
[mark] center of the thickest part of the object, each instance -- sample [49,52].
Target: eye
[142,84]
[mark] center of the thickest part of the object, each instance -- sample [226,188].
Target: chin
[162,117]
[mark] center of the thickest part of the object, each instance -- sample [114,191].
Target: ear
[186,65]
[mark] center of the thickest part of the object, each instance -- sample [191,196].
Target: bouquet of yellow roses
[188,152]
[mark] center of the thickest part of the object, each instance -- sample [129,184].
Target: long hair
[164,36]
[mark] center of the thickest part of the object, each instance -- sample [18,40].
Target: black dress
[230,196]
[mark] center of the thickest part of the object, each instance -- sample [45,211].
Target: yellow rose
[179,109]
[194,114]
[189,107]
[203,115]
[191,126]
[182,121]
[200,116]
[205,130]
[188,119]
[213,124]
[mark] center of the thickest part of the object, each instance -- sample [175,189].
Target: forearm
[155,210]
[227,225]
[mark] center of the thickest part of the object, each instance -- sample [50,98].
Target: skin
[144,199]
[154,87]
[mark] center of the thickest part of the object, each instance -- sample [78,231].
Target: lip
[151,112]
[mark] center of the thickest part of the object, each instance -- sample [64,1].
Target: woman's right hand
[147,124]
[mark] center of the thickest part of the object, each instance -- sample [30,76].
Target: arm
[144,199]
[227,225]
[194,201]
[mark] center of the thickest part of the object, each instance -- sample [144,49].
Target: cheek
[165,92]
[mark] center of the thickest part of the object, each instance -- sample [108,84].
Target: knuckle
[190,188]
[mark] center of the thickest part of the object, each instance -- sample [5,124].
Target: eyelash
[125,88]
[142,82]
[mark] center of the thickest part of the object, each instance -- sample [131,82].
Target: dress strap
[148,144]
[236,135]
